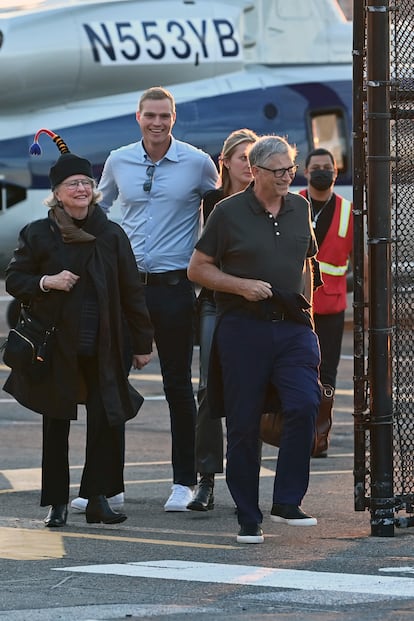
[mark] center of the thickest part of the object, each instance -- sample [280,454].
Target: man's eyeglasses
[280,172]
[73,185]
[148,182]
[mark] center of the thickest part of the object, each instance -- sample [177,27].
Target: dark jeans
[330,329]
[171,308]
[254,353]
[104,460]
[209,431]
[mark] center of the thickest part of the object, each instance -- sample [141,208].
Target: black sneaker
[250,533]
[292,515]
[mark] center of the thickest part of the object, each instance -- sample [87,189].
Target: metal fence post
[379,261]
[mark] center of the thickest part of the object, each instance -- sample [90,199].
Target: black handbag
[28,347]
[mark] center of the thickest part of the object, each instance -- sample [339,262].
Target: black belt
[162,278]
[258,312]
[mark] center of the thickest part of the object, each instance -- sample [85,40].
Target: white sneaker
[115,502]
[180,496]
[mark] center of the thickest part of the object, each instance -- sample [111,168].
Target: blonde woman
[235,176]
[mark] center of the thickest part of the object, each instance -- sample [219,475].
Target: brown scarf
[71,234]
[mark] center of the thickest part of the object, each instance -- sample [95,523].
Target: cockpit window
[328,131]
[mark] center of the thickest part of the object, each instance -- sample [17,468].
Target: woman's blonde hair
[232,141]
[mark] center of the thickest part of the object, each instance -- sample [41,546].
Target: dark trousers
[254,353]
[330,329]
[209,431]
[104,460]
[171,308]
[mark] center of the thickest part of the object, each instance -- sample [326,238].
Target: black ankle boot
[98,510]
[204,498]
[56,516]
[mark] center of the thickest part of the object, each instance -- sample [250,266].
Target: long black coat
[108,264]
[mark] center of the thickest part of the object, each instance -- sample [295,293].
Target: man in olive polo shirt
[255,253]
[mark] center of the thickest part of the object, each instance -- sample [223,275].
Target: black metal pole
[358,152]
[379,259]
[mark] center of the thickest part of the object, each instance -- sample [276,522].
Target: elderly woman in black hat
[76,269]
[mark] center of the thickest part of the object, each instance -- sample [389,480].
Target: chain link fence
[384,215]
[402,228]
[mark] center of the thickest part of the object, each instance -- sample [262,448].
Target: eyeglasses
[280,172]
[73,185]
[148,183]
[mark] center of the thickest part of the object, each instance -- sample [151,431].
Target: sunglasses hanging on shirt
[150,174]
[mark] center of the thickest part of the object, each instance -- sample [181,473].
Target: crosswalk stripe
[255,576]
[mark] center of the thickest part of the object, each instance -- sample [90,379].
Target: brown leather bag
[271,424]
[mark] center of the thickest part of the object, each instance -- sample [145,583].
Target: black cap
[67,165]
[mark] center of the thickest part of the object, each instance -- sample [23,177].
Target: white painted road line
[110,611]
[256,576]
[400,570]
[29,479]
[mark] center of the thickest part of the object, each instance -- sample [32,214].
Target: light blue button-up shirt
[162,224]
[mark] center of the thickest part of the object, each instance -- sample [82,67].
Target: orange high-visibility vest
[333,256]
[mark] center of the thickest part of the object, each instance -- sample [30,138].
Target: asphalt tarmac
[188,566]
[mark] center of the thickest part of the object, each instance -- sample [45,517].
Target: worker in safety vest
[333,223]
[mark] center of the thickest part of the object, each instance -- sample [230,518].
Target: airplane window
[329,132]
[270,111]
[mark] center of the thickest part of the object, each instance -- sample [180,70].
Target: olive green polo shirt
[247,241]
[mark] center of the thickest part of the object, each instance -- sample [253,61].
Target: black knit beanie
[67,165]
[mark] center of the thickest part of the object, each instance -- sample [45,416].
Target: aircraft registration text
[166,40]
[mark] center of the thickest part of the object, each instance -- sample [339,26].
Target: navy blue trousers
[253,354]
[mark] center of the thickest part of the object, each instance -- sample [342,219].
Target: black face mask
[321,179]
